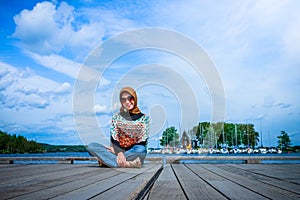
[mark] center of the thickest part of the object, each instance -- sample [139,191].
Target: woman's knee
[139,149]
[95,146]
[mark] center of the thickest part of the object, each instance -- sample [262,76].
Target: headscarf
[131,91]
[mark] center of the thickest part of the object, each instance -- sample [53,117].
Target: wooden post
[252,161]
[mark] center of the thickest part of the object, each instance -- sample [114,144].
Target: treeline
[64,148]
[215,135]
[19,144]
[221,135]
[229,134]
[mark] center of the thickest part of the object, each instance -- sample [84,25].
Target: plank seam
[53,186]
[185,194]
[237,183]
[285,180]
[207,182]
[115,185]
[149,185]
[7,185]
[273,185]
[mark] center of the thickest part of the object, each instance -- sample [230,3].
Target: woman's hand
[110,149]
[121,159]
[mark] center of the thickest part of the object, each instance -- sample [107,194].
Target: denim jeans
[110,159]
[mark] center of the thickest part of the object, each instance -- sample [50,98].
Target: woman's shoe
[101,164]
[135,163]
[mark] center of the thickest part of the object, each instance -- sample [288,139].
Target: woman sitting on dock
[129,134]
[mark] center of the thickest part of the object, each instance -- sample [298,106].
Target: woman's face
[127,101]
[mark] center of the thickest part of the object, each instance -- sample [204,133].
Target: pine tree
[284,140]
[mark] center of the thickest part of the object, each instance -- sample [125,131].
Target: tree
[201,131]
[249,136]
[170,137]
[228,134]
[4,140]
[17,144]
[284,140]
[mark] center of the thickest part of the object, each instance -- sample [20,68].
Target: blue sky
[254,45]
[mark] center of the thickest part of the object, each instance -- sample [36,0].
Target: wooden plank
[292,168]
[166,186]
[279,173]
[17,170]
[33,178]
[33,186]
[36,177]
[146,197]
[90,190]
[228,188]
[9,167]
[248,182]
[18,175]
[93,190]
[68,185]
[193,185]
[145,186]
[132,188]
[260,177]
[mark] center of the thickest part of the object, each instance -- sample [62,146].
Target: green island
[10,144]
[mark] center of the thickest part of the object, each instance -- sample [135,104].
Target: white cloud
[35,28]
[57,63]
[65,88]
[34,101]
[33,104]
[100,108]
[22,88]
[116,106]
[47,29]
[291,41]
[113,20]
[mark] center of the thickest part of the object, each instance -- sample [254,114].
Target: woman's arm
[146,130]
[121,159]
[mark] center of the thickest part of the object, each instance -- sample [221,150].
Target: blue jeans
[110,159]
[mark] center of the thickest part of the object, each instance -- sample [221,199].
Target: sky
[250,48]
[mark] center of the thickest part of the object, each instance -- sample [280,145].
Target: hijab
[135,109]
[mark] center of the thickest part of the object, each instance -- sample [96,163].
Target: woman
[129,134]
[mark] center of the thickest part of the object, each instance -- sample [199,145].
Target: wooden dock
[152,181]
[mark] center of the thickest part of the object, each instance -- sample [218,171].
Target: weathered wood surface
[173,181]
[249,159]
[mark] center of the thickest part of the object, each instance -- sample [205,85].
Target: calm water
[58,154]
[85,154]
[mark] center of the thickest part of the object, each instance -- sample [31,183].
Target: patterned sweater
[125,133]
